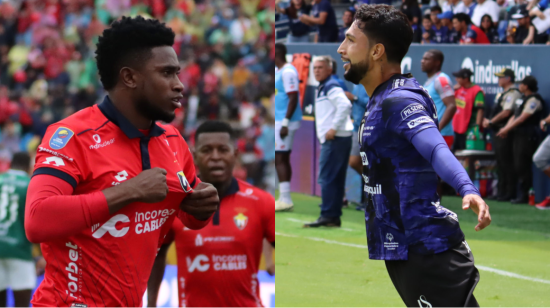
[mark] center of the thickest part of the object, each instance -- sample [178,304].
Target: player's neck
[280,64]
[380,75]
[507,87]
[126,107]
[431,74]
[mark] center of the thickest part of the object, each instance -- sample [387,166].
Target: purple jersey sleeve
[431,145]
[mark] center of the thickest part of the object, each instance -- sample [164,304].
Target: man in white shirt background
[485,7]
[334,130]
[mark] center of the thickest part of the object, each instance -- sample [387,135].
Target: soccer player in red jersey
[109,180]
[218,265]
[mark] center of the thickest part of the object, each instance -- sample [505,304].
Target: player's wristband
[285,122]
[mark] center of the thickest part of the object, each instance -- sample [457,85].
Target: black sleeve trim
[102,125]
[57,173]
[194,182]
[168,136]
[82,132]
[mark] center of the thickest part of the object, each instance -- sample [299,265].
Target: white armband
[285,122]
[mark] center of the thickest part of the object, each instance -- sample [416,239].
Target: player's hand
[150,185]
[502,133]
[284,132]
[485,123]
[480,208]
[543,125]
[330,134]
[202,202]
[40,265]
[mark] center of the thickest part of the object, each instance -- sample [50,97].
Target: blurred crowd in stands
[48,69]
[433,21]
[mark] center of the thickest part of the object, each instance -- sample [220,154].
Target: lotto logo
[56,161]
[121,176]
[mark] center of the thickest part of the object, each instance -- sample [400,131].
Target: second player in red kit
[109,180]
[218,265]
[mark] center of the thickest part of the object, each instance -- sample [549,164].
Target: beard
[153,112]
[357,72]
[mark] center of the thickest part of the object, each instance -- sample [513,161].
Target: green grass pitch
[330,267]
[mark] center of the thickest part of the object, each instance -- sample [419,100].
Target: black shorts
[446,279]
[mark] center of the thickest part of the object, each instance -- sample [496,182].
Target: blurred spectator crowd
[225,47]
[433,21]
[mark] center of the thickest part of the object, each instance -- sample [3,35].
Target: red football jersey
[109,264]
[218,265]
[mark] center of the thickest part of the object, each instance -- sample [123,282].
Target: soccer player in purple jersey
[403,152]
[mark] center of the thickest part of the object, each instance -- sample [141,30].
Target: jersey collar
[110,112]
[384,84]
[233,188]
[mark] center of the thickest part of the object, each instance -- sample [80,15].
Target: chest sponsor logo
[184,183]
[102,145]
[198,240]
[151,220]
[240,221]
[202,263]
[96,138]
[43,149]
[390,244]
[414,123]
[203,240]
[60,138]
[55,161]
[110,227]
[410,110]
[376,190]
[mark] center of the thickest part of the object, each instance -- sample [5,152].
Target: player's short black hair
[436,8]
[463,17]
[280,51]
[213,126]
[388,26]
[438,55]
[427,16]
[128,42]
[21,161]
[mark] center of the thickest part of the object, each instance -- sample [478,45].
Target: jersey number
[9,202]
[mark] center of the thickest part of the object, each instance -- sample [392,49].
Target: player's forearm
[517,121]
[119,196]
[447,116]
[292,104]
[479,118]
[431,145]
[191,222]
[155,279]
[501,116]
[52,212]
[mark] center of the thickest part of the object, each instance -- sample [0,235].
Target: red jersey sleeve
[268,206]
[185,156]
[60,154]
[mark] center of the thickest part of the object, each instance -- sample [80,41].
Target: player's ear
[128,77]
[378,52]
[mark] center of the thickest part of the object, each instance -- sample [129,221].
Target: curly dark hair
[128,42]
[386,25]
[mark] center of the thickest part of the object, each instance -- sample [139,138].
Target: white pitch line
[303,222]
[481,267]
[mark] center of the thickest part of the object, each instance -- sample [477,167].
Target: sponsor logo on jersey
[414,123]
[72,268]
[184,183]
[110,227]
[240,221]
[202,263]
[121,176]
[43,149]
[60,138]
[365,178]
[390,244]
[96,138]
[151,220]
[54,160]
[364,159]
[376,190]
[410,110]
[101,145]
[198,240]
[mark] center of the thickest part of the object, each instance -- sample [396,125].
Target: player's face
[522,88]
[433,16]
[160,88]
[215,155]
[355,53]
[347,18]
[461,81]
[428,63]
[457,25]
[502,81]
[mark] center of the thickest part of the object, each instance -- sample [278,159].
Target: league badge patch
[60,138]
[184,183]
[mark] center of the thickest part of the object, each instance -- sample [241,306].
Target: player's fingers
[163,171]
[465,203]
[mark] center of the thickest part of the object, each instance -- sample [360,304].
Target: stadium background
[48,72]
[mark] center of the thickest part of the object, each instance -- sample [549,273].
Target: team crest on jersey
[184,183]
[60,138]
[240,221]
